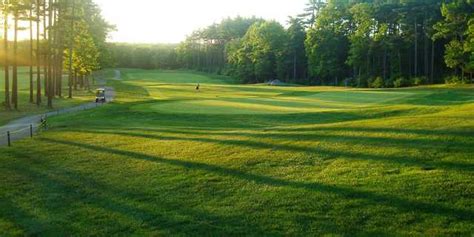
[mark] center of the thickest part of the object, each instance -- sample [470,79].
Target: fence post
[31,130]
[8,138]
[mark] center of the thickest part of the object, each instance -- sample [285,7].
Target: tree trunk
[71,48]
[385,64]
[6,61]
[31,56]
[50,83]
[81,81]
[416,48]
[88,87]
[400,67]
[38,54]
[294,68]
[426,47]
[45,53]
[60,50]
[15,62]
[53,56]
[75,79]
[432,61]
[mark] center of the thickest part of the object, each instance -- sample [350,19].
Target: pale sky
[169,21]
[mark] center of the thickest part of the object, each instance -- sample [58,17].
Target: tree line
[362,43]
[66,37]
[145,56]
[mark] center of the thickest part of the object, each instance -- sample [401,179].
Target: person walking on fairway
[198,87]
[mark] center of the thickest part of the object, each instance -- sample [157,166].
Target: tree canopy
[352,43]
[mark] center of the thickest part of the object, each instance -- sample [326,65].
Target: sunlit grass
[165,159]
[26,108]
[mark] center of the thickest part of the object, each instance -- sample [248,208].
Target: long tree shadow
[27,223]
[402,160]
[344,192]
[126,112]
[407,131]
[324,134]
[141,206]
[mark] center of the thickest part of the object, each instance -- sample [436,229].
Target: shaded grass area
[145,166]
[25,108]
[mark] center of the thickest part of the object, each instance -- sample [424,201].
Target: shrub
[453,80]
[362,82]
[389,83]
[418,81]
[401,82]
[377,83]
[369,82]
[349,82]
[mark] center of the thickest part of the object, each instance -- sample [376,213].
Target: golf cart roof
[101,89]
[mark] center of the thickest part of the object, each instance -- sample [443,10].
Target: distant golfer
[198,87]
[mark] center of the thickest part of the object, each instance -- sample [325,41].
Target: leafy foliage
[335,43]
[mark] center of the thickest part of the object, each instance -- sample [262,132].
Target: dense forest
[66,37]
[353,43]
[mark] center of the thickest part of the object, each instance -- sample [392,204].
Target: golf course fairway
[233,160]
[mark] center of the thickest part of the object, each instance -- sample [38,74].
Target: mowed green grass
[25,108]
[232,160]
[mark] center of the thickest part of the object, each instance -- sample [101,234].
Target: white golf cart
[100,96]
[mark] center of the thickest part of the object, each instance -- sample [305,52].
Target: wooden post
[8,138]
[31,130]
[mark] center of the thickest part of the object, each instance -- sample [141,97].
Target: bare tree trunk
[60,50]
[81,81]
[71,48]
[400,67]
[416,47]
[75,79]
[15,62]
[31,55]
[6,61]
[38,54]
[50,83]
[45,53]
[53,56]
[385,64]
[294,68]
[52,47]
[426,47]
[432,61]
[88,87]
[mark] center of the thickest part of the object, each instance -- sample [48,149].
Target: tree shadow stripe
[399,203]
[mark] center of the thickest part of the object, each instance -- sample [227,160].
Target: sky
[169,21]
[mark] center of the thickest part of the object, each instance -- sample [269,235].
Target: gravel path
[23,127]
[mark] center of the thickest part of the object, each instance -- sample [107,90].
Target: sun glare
[166,21]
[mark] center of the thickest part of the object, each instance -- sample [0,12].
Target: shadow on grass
[344,192]
[14,214]
[402,160]
[327,134]
[76,192]
[121,114]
